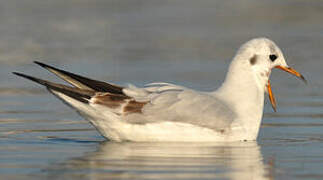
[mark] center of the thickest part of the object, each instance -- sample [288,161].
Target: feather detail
[82,82]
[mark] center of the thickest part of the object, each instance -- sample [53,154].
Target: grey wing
[168,102]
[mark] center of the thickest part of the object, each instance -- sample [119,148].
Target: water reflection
[165,161]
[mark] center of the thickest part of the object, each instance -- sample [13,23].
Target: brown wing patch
[110,100]
[115,101]
[133,107]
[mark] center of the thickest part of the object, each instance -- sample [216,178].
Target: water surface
[185,42]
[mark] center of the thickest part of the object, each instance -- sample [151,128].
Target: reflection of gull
[166,161]
[167,112]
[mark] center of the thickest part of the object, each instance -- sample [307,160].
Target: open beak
[289,70]
[292,71]
[271,96]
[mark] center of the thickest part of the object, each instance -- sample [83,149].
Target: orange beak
[289,70]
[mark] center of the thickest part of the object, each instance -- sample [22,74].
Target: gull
[164,112]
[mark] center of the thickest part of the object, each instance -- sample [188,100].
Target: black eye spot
[253,60]
[272,57]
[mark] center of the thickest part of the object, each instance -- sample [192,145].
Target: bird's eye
[272,57]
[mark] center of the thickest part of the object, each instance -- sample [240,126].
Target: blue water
[184,42]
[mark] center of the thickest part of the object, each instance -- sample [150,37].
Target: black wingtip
[90,83]
[17,73]
[30,78]
[75,93]
[22,75]
[43,64]
[39,63]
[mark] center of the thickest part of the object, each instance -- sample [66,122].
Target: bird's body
[167,112]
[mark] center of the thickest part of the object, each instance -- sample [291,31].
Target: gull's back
[172,103]
[157,112]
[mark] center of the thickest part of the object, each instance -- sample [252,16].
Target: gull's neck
[241,91]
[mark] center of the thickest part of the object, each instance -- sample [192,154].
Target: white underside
[165,131]
[113,128]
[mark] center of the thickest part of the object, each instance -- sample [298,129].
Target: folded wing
[172,103]
[86,91]
[156,102]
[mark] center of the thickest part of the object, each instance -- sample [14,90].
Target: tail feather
[82,82]
[82,95]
